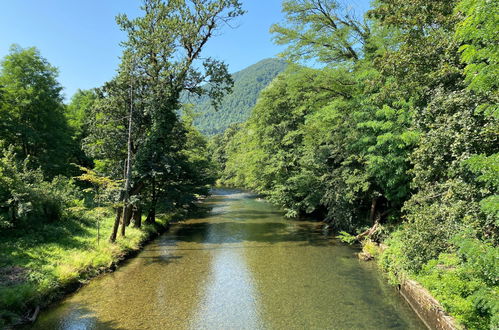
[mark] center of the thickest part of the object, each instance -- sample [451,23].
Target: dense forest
[385,126]
[393,140]
[236,106]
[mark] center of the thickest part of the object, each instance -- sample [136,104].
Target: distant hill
[236,107]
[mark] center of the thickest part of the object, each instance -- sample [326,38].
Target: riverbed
[243,266]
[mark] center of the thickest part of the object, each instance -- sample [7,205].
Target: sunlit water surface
[244,266]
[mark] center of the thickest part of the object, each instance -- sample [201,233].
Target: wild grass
[40,262]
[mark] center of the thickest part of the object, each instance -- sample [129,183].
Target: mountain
[236,107]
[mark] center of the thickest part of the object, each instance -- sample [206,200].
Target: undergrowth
[465,279]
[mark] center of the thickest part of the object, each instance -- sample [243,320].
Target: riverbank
[447,293]
[429,309]
[55,259]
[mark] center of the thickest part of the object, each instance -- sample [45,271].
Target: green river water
[244,266]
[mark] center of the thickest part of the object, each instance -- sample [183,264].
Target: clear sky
[81,38]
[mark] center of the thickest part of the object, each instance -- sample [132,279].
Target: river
[244,266]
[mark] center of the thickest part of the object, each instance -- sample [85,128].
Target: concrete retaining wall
[427,307]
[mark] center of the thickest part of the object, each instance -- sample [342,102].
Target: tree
[32,115]
[160,60]
[322,30]
[77,113]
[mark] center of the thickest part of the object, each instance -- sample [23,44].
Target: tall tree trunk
[373,210]
[128,214]
[114,232]
[137,217]
[373,219]
[126,199]
[151,217]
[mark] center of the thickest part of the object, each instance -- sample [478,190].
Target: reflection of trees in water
[78,317]
[240,231]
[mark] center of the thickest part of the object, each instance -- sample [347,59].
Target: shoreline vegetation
[38,270]
[423,301]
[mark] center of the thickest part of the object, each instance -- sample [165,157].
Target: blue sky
[81,38]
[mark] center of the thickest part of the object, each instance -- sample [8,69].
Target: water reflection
[230,299]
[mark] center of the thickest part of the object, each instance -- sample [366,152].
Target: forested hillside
[236,106]
[394,140]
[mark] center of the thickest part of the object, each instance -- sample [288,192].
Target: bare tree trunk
[137,217]
[126,199]
[373,209]
[128,214]
[373,219]
[151,217]
[112,238]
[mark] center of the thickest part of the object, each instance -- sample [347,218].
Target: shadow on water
[158,259]
[236,232]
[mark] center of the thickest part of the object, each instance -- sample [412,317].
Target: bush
[464,278]
[393,260]
[458,282]
[25,196]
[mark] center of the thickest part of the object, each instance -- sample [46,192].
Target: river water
[244,266]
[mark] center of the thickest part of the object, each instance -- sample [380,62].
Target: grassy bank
[40,263]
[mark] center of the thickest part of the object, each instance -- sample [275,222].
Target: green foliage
[236,106]
[25,196]
[218,146]
[78,110]
[393,260]
[487,168]
[272,142]
[371,248]
[31,111]
[480,49]
[466,283]
[78,114]
[346,237]
[104,190]
[314,144]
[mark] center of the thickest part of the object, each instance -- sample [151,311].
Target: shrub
[464,278]
[25,195]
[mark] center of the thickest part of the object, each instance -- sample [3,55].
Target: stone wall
[427,307]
